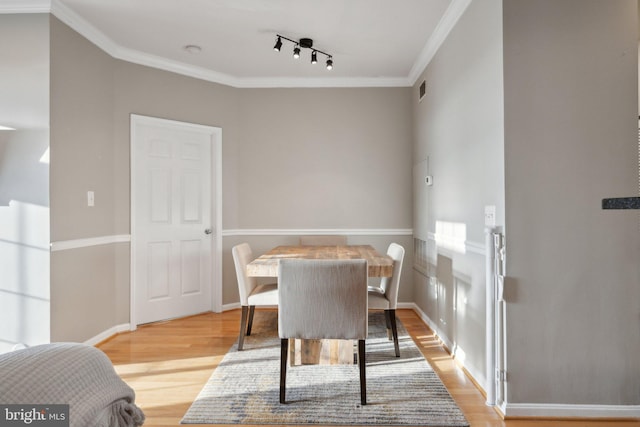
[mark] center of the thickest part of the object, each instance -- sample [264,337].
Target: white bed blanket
[69,373]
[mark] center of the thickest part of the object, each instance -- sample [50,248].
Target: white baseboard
[108,334]
[552,410]
[430,323]
[534,410]
[235,305]
[232,306]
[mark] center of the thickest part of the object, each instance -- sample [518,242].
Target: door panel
[171,209]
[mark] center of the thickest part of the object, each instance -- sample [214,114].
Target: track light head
[296,52]
[314,57]
[329,64]
[278,44]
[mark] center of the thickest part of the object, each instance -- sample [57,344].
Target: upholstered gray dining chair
[385,296]
[322,299]
[323,240]
[252,293]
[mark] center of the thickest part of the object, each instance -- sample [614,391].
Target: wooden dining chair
[251,292]
[322,299]
[385,296]
[323,240]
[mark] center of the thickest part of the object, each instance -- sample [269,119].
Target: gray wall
[292,159]
[82,159]
[459,128]
[24,181]
[325,158]
[571,117]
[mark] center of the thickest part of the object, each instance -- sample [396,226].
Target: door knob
[208,231]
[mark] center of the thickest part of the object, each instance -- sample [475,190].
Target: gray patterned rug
[244,388]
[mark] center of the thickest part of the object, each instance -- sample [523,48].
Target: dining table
[321,352]
[266,265]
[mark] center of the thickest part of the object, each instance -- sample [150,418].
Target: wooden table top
[379,265]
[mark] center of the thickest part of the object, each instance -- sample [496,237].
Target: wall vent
[423,90]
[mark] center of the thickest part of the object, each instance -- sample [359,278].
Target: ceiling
[372,42]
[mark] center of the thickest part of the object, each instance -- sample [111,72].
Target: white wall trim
[235,305]
[442,30]
[108,334]
[545,410]
[475,247]
[232,306]
[123,238]
[431,324]
[25,6]
[469,246]
[90,241]
[323,231]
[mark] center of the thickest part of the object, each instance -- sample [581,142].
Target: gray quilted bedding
[69,373]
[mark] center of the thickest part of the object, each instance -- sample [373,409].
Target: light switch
[490,216]
[90,199]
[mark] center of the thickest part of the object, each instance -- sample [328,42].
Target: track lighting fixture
[303,43]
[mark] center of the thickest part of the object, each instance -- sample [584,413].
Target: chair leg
[252,309]
[394,330]
[363,375]
[243,322]
[284,352]
[387,319]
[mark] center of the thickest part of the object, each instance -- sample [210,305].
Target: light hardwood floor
[168,363]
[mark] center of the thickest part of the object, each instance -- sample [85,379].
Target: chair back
[242,255]
[322,299]
[323,240]
[391,284]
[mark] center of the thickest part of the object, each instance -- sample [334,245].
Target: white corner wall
[24,182]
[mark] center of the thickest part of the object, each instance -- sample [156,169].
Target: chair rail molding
[321,231]
[90,241]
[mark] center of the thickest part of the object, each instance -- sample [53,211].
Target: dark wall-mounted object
[621,203]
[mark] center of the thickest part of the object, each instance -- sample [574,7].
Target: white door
[171,214]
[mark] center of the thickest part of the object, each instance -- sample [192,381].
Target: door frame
[216,208]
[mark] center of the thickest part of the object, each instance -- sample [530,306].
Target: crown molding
[293,82]
[97,37]
[25,6]
[158,62]
[84,27]
[442,30]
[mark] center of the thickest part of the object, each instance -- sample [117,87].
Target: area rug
[244,388]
